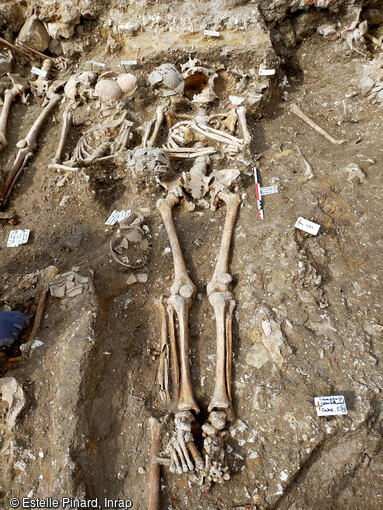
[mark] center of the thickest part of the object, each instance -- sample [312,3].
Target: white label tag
[266,72]
[328,406]
[96,63]
[211,33]
[128,62]
[117,216]
[269,190]
[307,226]
[39,72]
[17,237]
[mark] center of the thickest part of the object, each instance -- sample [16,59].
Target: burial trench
[101,454]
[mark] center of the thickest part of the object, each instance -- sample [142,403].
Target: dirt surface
[308,316]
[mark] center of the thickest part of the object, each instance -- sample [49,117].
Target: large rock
[34,34]
[12,14]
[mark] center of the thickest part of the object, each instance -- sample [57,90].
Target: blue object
[11,324]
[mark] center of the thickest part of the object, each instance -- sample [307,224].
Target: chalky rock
[12,14]
[12,393]
[127,83]
[34,34]
[5,61]
[169,76]
[64,30]
[355,174]
[108,90]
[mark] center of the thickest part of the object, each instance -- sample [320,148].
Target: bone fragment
[64,167]
[309,174]
[374,40]
[173,353]
[241,110]
[31,139]
[160,113]
[67,120]
[147,133]
[20,85]
[154,468]
[162,376]
[297,111]
[14,173]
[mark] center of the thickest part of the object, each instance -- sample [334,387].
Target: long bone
[221,299]
[20,85]
[31,138]
[182,292]
[160,113]
[241,110]
[67,120]
[299,113]
[27,146]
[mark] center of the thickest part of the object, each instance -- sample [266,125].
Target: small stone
[142,277]
[355,174]
[141,470]
[327,30]
[366,84]
[266,327]
[379,96]
[131,279]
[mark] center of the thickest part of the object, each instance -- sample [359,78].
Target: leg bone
[67,120]
[242,119]
[31,139]
[159,119]
[299,113]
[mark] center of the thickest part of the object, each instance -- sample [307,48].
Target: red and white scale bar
[259,194]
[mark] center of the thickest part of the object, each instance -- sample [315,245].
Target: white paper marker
[330,406]
[17,237]
[117,216]
[266,72]
[307,226]
[128,62]
[211,33]
[269,190]
[39,72]
[96,63]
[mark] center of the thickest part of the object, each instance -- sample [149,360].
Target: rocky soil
[308,319]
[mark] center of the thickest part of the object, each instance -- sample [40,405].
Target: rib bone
[297,111]
[160,113]
[242,119]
